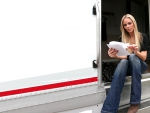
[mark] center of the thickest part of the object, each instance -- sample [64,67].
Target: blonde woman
[132,65]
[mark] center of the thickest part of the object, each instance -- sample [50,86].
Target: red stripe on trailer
[48,86]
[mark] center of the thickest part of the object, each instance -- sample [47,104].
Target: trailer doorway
[112,12]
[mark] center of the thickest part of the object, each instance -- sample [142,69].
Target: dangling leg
[112,100]
[136,67]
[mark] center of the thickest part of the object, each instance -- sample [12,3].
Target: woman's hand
[142,55]
[112,53]
[133,48]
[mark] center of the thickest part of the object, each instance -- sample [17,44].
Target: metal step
[128,80]
[144,110]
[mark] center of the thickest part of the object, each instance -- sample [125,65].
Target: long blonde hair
[125,34]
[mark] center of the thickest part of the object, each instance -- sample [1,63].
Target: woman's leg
[112,100]
[137,66]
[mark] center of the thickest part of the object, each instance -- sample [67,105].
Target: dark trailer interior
[112,12]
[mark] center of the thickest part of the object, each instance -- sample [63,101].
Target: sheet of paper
[120,47]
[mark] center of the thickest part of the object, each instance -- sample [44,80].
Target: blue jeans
[134,67]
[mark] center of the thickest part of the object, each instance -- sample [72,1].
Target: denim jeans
[134,67]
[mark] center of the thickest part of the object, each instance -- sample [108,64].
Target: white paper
[121,47]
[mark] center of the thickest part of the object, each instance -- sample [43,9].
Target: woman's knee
[121,70]
[133,57]
[122,66]
[134,61]
[123,63]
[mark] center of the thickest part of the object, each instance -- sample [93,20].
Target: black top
[144,44]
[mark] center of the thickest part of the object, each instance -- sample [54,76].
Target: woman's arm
[142,55]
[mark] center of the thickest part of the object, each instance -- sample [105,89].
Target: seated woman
[133,65]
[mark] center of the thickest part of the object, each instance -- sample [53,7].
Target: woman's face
[128,25]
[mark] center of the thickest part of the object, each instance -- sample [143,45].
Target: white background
[41,37]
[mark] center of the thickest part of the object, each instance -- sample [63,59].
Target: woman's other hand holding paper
[133,48]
